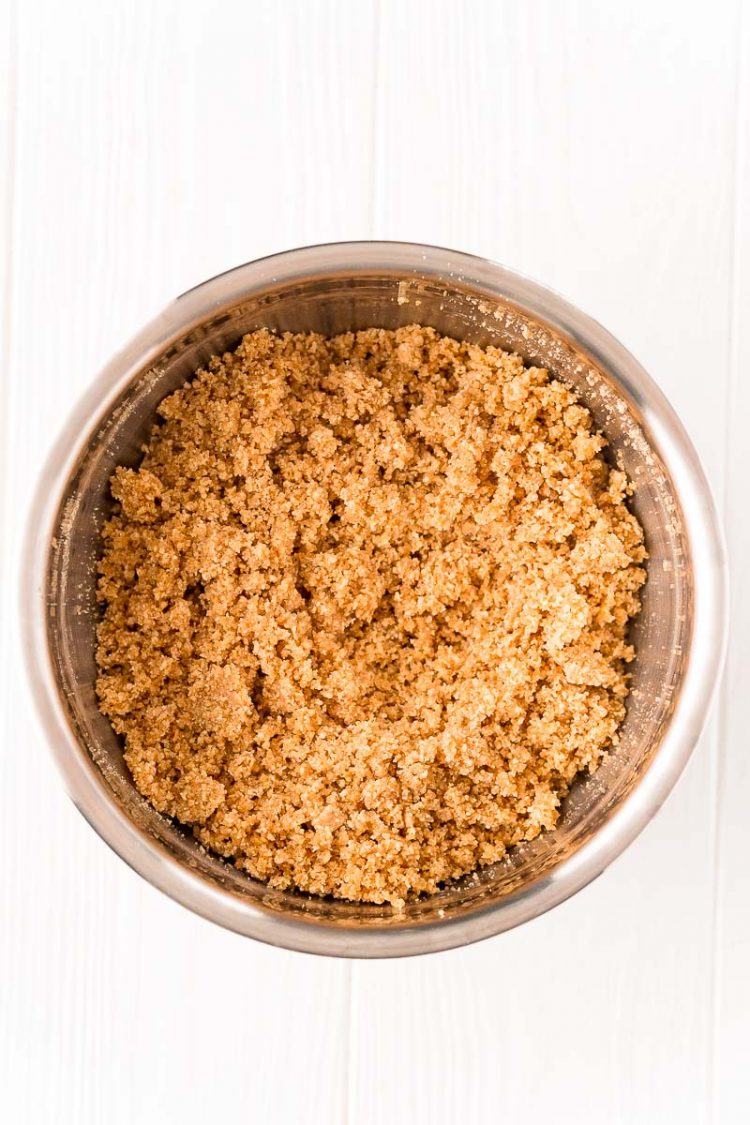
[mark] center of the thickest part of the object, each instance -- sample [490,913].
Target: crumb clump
[365,605]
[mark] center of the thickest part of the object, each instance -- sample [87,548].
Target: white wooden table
[603,147]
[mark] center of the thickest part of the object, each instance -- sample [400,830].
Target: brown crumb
[365,608]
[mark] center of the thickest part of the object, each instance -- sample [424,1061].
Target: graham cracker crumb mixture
[365,608]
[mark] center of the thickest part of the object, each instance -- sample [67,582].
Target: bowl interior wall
[330,305]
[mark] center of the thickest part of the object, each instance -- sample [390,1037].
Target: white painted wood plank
[8,28]
[590,145]
[732,1013]
[156,144]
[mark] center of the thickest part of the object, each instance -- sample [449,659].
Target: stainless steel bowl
[679,634]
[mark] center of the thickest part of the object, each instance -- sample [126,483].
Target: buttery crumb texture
[365,605]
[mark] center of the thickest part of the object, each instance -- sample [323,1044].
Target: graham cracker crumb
[365,605]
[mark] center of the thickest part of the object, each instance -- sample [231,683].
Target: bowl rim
[149,857]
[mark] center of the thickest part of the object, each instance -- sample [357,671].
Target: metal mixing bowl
[679,634]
